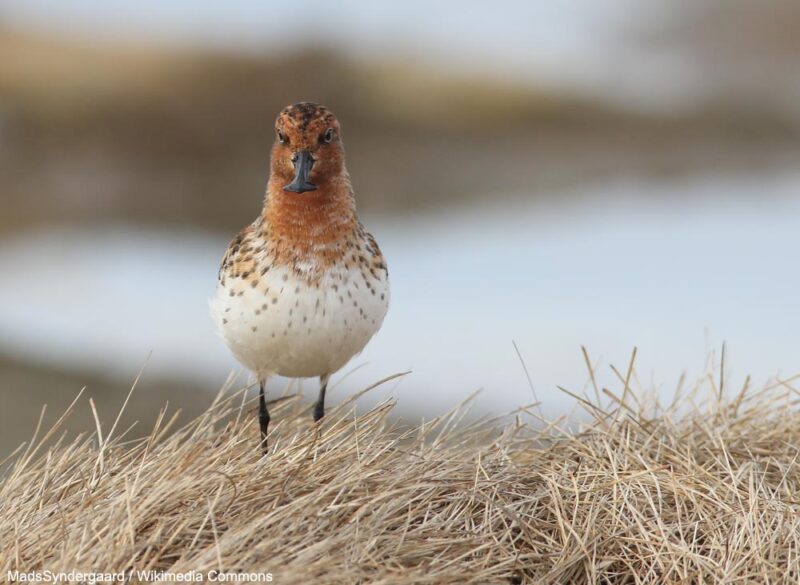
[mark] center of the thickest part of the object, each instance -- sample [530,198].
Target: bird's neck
[322,216]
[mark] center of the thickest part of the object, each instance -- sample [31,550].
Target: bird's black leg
[319,407]
[263,416]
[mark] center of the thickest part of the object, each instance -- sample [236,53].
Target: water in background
[675,272]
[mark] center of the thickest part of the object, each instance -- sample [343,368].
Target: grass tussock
[704,492]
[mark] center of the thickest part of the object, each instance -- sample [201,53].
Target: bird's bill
[303,162]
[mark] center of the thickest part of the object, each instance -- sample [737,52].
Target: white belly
[287,327]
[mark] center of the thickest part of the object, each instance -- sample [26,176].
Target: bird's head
[308,150]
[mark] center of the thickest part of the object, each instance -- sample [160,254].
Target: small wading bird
[303,288]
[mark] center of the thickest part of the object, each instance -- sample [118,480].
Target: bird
[303,288]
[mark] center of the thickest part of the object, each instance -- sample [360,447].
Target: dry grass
[705,493]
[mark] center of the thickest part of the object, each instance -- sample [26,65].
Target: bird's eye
[281,137]
[328,136]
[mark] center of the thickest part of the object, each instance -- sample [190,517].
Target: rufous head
[308,153]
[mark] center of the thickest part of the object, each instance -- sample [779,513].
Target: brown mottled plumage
[304,287]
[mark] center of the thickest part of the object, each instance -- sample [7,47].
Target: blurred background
[550,174]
